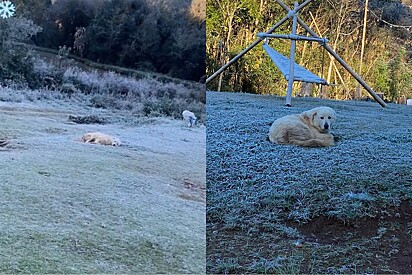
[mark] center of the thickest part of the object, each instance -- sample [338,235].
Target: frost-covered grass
[71,207]
[263,195]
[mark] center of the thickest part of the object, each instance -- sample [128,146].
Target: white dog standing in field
[189,117]
[309,129]
[100,138]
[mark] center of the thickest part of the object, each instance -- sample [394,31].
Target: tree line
[152,35]
[233,24]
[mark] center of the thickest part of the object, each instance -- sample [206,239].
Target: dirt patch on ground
[391,233]
[193,191]
[389,237]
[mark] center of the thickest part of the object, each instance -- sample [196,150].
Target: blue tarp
[300,73]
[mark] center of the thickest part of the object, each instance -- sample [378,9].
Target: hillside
[289,210]
[52,56]
[135,34]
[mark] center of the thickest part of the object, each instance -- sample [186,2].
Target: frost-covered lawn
[70,207]
[286,209]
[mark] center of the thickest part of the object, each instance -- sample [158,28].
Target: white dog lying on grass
[100,138]
[309,129]
[189,117]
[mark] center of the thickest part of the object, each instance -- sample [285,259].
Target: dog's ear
[309,115]
[306,115]
[313,116]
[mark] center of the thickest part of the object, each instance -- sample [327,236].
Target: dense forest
[161,36]
[385,64]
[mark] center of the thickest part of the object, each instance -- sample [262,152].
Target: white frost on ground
[373,152]
[67,206]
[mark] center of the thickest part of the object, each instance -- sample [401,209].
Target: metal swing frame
[314,37]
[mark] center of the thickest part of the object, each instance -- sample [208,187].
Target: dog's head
[321,118]
[192,120]
[116,142]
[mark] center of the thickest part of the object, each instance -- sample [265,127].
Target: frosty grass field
[71,207]
[286,209]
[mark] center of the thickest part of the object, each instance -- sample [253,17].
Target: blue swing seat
[300,73]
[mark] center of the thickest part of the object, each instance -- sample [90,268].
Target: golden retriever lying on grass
[100,138]
[309,129]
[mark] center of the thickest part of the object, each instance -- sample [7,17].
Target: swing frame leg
[292,58]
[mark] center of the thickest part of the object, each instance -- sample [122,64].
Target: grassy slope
[70,207]
[141,93]
[262,196]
